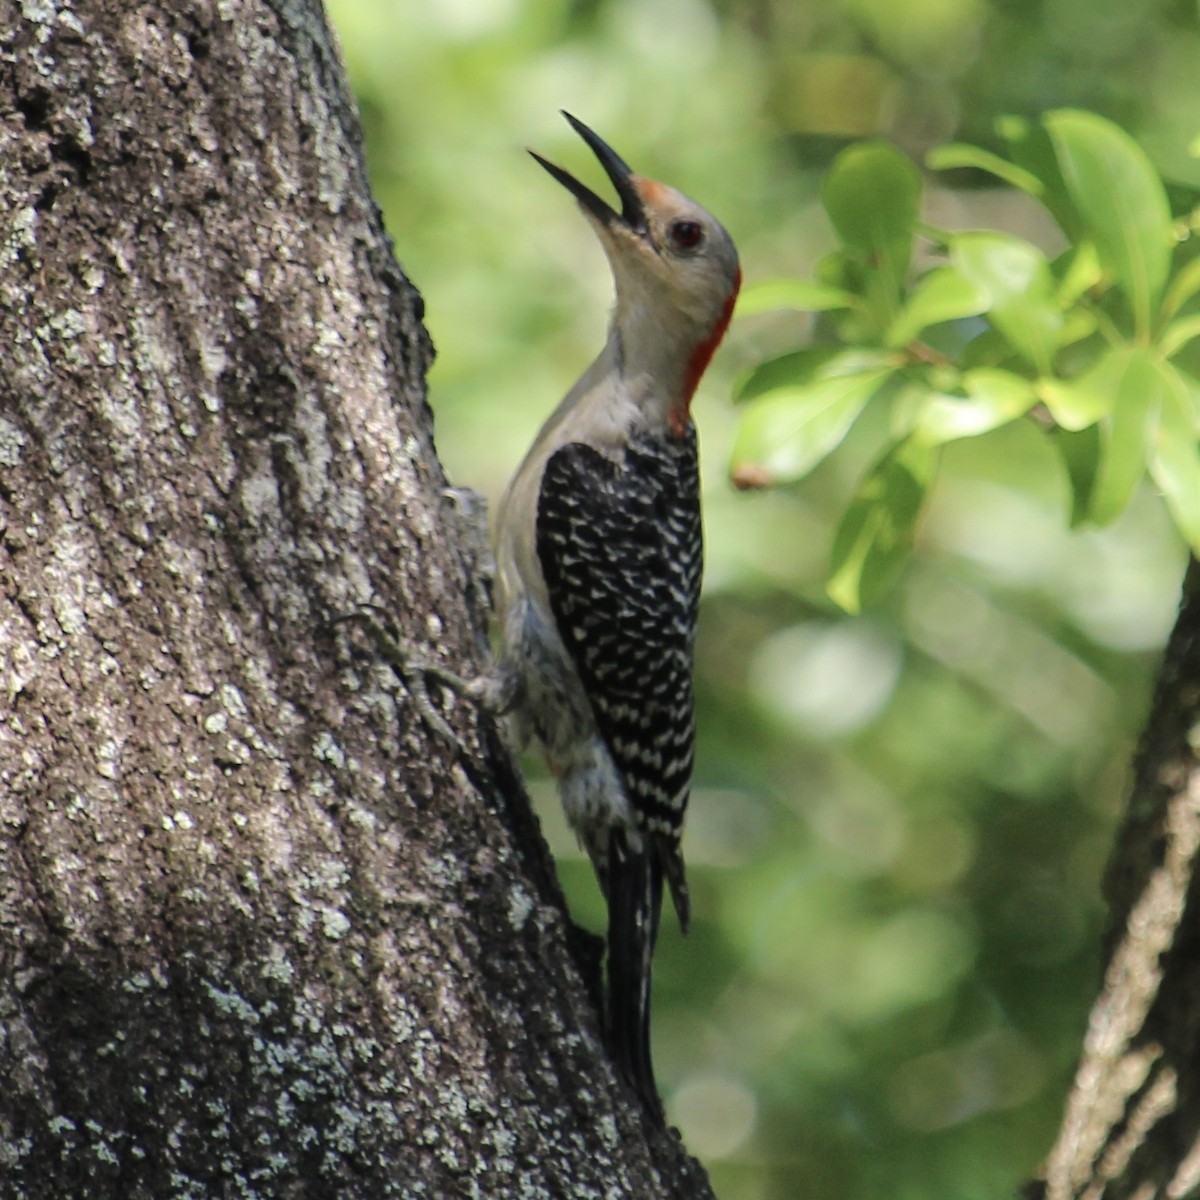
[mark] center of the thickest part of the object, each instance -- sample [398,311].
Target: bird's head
[676,268]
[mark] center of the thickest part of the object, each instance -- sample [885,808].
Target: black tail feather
[635,896]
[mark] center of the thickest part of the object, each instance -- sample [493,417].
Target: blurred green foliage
[901,818]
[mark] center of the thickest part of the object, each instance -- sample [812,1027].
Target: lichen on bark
[260,934]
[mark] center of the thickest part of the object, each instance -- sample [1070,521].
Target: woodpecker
[599,552]
[598,555]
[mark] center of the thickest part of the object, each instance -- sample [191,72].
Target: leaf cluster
[1093,344]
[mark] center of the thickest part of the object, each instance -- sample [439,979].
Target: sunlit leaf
[1077,403]
[785,370]
[1074,404]
[1121,200]
[993,398]
[872,194]
[785,433]
[1175,456]
[876,533]
[1126,434]
[942,295]
[802,367]
[800,294]
[1015,277]
[957,154]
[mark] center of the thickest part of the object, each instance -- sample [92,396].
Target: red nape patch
[680,414]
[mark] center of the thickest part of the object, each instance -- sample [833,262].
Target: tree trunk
[1131,1130]
[260,934]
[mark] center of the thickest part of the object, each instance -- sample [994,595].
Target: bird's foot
[415,670]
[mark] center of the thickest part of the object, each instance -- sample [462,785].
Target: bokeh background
[901,820]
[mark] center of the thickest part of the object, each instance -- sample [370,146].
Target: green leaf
[785,433]
[993,398]
[1077,403]
[801,367]
[1015,277]
[1030,148]
[1078,323]
[985,350]
[1081,455]
[1175,457]
[1183,287]
[800,294]
[1079,271]
[1178,334]
[1121,200]
[957,154]
[876,533]
[1073,403]
[786,370]
[1137,387]
[942,295]
[873,194]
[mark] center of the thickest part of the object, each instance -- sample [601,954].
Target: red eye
[686,235]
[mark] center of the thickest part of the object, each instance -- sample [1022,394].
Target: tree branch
[1132,1121]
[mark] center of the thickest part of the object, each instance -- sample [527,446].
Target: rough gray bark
[259,934]
[1131,1130]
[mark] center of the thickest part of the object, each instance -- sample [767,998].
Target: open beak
[633,210]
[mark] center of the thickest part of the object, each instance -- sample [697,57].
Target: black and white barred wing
[621,550]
